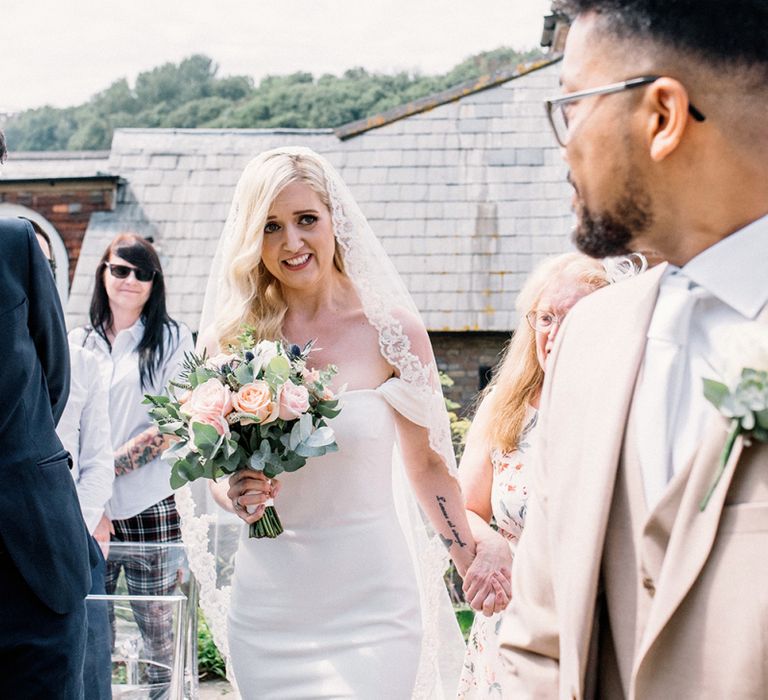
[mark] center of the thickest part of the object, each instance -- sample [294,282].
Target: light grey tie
[660,388]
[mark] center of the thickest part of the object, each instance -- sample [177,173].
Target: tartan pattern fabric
[158,523]
[149,571]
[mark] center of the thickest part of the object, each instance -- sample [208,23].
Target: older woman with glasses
[494,470]
[139,348]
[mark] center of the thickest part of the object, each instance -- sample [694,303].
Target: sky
[61,52]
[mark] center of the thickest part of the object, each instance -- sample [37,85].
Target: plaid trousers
[149,571]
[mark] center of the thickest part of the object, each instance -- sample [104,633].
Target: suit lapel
[694,531]
[593,467]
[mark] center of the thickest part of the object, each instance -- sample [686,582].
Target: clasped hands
[249,491]
[487,582]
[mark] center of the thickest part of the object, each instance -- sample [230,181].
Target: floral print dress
[509,495]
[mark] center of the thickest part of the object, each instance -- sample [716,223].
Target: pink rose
[211,398]
[255,398]
[294,400]
[311,376]
[218,422]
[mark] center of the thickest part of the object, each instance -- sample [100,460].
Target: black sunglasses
[122,271]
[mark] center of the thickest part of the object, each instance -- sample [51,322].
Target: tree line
[190,94]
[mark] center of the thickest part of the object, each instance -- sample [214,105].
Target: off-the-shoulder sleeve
[413,402]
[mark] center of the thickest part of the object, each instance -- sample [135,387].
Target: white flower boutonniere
[744,400]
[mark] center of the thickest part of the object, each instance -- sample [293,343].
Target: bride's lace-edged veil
[211,534]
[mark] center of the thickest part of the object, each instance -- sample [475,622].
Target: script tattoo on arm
[441,501]
[138,451]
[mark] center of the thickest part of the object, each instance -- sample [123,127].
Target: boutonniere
[744,399]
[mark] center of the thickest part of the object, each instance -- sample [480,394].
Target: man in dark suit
[44,557]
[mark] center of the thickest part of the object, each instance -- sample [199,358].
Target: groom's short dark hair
[722,33]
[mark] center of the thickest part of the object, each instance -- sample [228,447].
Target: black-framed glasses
[542,321]
[122,271]
[558,116]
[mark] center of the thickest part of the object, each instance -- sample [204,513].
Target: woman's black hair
[152,348]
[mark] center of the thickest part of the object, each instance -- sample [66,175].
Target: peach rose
[210,398]
[218,422]
[294,400]
[311,376]
[255,398]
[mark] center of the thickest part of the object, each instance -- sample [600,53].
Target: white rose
[744,345]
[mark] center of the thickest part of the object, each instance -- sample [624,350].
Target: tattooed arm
[438,493]
[140,450]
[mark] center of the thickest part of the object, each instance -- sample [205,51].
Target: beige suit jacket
[707,630]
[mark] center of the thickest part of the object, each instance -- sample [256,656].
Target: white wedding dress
[330,608]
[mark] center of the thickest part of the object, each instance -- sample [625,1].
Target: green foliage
[459,426]
[465,616]
[210,663]
[189,94]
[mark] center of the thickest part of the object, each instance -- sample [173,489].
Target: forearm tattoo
[139,451]
[441,501]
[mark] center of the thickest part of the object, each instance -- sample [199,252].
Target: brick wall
[461,356]
[67,206]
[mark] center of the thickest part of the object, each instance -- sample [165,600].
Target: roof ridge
[424,104]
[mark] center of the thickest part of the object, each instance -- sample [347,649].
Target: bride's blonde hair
[251,296]
[518,377]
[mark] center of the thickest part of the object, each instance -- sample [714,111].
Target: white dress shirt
[85,433]
[732,275]
[143,487]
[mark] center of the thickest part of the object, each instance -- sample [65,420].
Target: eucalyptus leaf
[244,373]
[206,437]
[295,436]
[325,409]
[304,450]
[305,426]
[321,437]
[277,372]
[293,462]
[715,392]
[256,461]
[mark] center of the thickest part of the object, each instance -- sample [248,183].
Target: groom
[44,558]
[628,582]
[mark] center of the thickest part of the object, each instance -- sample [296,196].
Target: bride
[349,601]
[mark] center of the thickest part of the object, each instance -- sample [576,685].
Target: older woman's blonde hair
[518,377]
[251,296]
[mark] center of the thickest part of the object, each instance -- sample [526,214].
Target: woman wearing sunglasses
[139,348]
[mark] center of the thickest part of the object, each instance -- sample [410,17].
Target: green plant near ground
[210,663]
[459,426]
[465,617]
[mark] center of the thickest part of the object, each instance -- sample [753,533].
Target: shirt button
[649,585]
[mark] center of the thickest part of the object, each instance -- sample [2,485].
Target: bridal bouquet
[257,407]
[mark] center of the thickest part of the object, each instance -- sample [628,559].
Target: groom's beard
[608,233]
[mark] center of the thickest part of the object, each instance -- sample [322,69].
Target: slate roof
[36,165]
[466,195]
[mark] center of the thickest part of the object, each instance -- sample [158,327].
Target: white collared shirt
[85,433]
[733,273]
[142,488]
